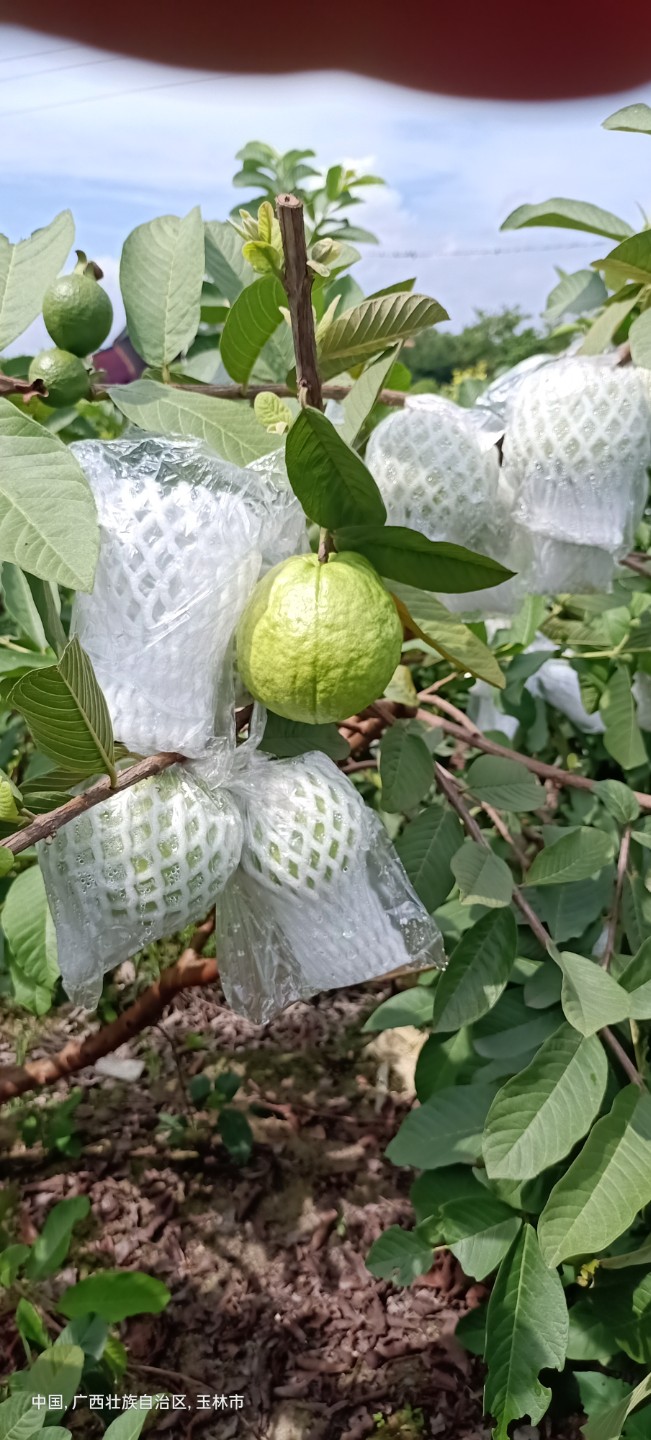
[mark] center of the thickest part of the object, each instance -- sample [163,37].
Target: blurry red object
[510,51]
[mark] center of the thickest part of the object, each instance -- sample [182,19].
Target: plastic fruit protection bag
[320,899]
[576,455]
[183,537]
[439,474]
[138,868]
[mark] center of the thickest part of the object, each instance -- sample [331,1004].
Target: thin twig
[448,787]
[479,741]
[613,922]
[430,697]
[298,285]
[189,970]
[394,398]
[502,829]
[639,563]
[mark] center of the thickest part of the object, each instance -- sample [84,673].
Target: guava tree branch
[191,969]
[298,285]
[470,735]
[448,787]
[240,392]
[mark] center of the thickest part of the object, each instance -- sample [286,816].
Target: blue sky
[120,140]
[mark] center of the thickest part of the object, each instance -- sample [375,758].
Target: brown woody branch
[27,389]
[240,392]
[298,285]
[191,969]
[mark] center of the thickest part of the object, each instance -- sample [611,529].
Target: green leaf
[229,427]
[609,1182]
[161,279]
[575,294]
[602,330]
[444,1063]
[504,784]
[526,1332]
[639,337]
[372,326]
[270,410]
[623,738]
[361,398]
[568,215]
[446,634]
[405,555]
[292,737]
[400,1255]
[50,1249]
[635,117]
[436,1189]
[477,972]
[68,715]
[29,930]
[590,997]
[19,603]
[470,1330]
[636,980]
[11,1259]
[56,1372]
[482,877]
[26,270]
[225,262]
[19,1418]
[539,1115]
[426,847]
[641,1256]
[409,1007]
[479,1232]
[567,910]
[331,482]
[576,856]
[48,522]
[30,1326]
[445,1130]
[631,260]
[115,1294]
[619,800]
[607,1424]
[236,1134]
[589,1338]
[127,1426]
[406,769]
[250,323]
[511,1029]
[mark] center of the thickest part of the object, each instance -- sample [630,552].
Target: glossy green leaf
[575,856]
[435,1190]
[405,555]
[477,971]
[575,294]
[332,483]
[115,1294]
[603,329]
[619,800]
[483,878]
[48,521]
[539,1115]
[446,634]
[29,930]
[568,909]
[479,1232]
[608,1424]
[400,1255]
[250,323]
[631,260]
[229,427]
[161,279]
[590,997]
[511,1029]
[443,1063]
[11,1260]
[68,715]
[623,738]
[362,396]
[526,1332]
[372,326]
[426,847]
[445,1130]
[504,784]
[635,979]
[225,262]
[600,1194]
[568,215]
[56,1372]
[26,270]
[51,1247]
[408,1007]
[406,769]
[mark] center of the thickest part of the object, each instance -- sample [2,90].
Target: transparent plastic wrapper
[138,868]
[558,684]
[642,698]
[285,527]
[498,398]
[576,453]
[183,535]
[438,476]
[485,712]
[320,899]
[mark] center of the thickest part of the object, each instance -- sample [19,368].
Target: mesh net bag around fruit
[182,539]
[136,869]
[320,899]
[438,475]
[576,455]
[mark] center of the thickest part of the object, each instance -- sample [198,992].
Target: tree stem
[298,286]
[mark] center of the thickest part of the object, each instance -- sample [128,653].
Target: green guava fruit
[77,311]
[65,376]
[318,642]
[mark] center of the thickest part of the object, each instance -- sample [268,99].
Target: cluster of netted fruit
[78,315]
